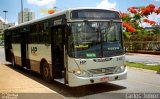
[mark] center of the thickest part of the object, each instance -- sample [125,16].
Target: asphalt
[147,59]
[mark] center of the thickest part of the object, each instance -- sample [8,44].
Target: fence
[142,45]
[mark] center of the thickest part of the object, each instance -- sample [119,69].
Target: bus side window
[46,26]
[33,31]
[15,36]
[46,37]
[50,22]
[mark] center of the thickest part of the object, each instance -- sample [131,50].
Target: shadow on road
[70,91]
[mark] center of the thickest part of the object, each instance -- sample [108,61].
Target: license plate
[104,79]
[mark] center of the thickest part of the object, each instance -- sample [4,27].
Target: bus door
[8,46]
[24,49]
[57,43]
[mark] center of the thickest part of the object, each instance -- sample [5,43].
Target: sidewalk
[13,81]
[23,85]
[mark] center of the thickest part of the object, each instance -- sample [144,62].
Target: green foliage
[141,34]
[2,37]
[142,37]
[127,18]
[126,35]
[156,31]
[137,17]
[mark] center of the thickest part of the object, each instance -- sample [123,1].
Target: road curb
[145,70]
[140,54]
[144,52]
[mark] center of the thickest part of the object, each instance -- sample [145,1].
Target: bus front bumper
[75,81]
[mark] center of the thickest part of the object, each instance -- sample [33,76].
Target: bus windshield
[95,39]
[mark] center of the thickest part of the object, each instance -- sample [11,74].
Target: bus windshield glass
[95,39]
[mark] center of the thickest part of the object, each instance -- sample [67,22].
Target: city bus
[78,46]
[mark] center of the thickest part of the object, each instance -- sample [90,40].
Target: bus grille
[104,71]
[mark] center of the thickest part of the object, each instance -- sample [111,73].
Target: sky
[14,6]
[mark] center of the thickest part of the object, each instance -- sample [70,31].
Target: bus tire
[46,73]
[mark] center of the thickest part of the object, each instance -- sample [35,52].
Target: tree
[133,20]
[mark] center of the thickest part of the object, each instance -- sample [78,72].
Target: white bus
[75,47]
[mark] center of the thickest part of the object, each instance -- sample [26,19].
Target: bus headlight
[120,69]
[77,72]
[82,73]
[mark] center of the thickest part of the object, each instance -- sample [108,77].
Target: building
[27,15]
[1,25]
[4,26]
[1,28]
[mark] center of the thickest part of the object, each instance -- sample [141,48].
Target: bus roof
[54,15]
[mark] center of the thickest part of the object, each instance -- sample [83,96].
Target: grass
[140,65]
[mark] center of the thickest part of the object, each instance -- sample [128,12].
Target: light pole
[22,10]
[5,11]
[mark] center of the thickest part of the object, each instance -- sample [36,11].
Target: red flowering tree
[140,13]
[157,11]
[129,27]
[133,20]
[145,11]
[149,21]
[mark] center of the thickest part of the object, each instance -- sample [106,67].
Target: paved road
[143,58]
[30,85]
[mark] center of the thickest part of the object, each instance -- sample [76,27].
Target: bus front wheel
[46,72]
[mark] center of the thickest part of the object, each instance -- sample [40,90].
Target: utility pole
[22,10]
[5,11]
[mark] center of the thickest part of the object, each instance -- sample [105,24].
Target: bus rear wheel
[46,72]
